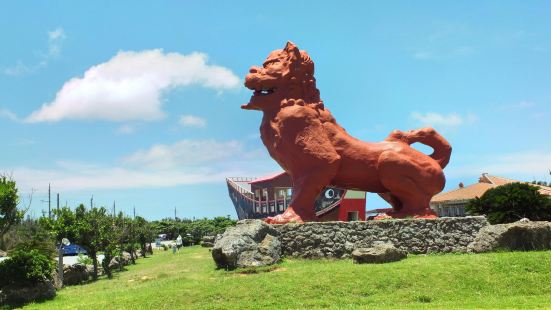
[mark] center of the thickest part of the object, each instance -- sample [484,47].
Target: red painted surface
[350,205]
[305,139]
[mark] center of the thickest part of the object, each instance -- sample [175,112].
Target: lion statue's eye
[271,62]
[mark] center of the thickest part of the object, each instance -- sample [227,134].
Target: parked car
[73,249]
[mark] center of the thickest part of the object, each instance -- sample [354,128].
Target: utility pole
[92,202]
[134,207]
[174,213]
[57,203]
[114,212]
[49,202]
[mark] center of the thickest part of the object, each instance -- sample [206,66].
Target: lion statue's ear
[292,51]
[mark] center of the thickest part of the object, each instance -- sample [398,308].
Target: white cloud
[7,114]
[185,152]
[522,165]
[19,69]
[192,121]
[440,120]
[129,86]
[55,40]
[25,142]
[126,129]
[433,54]
[110,178]
[181,163]
[521,105]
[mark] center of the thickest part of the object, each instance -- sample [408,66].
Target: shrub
[511,202]
[25,268]
[85,260]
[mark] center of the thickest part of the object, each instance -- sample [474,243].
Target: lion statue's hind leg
[406,187]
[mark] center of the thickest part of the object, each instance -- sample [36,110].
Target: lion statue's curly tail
[428,136]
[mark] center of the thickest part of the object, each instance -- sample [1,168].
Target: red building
[271,195]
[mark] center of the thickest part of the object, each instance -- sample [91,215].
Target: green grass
[188,280]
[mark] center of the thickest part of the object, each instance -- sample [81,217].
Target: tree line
[94,228]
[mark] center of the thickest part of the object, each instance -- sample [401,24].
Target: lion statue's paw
[289,216]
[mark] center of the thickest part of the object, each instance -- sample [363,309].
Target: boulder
[117,262]
[207,241]
[75,274]
[379,253]
[251,243]
[3,254]
[519,236]
[21,295]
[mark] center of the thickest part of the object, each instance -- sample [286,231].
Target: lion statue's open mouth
[305,139]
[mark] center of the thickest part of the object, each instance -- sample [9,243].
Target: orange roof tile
[465,193]
[485,182]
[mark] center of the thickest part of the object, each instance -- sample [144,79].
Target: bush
[25,268]
[85,260]
[510,203]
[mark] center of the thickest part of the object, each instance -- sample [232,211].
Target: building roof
[485,182]
[270,177]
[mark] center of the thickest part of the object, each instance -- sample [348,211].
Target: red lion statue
[304,138]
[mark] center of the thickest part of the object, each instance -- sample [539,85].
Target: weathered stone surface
[3,254]
[75,274]
[519,236]
[20,295]
[250,243]
[118,262]
[339,239]
[208,241]
[379,253]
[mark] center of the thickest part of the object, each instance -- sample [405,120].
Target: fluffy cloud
[162,165]
[129,86]
[440,120]
[184,153]
[192,121]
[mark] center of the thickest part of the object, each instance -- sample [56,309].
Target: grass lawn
[188,280]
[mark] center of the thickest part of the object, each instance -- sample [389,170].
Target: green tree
[9,213]
[144,233]
[89,224]
[511,202]
[63,224]
[109,241]
[30,235]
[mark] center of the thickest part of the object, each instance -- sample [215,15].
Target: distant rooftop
[485,182]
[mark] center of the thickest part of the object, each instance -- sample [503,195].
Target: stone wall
[339,239]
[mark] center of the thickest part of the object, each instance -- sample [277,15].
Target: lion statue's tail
[428,136]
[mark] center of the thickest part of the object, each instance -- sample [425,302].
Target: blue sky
[138,102]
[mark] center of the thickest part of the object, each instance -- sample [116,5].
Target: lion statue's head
[286,77]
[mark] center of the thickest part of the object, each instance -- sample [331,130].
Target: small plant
[25,268]
[85,260]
